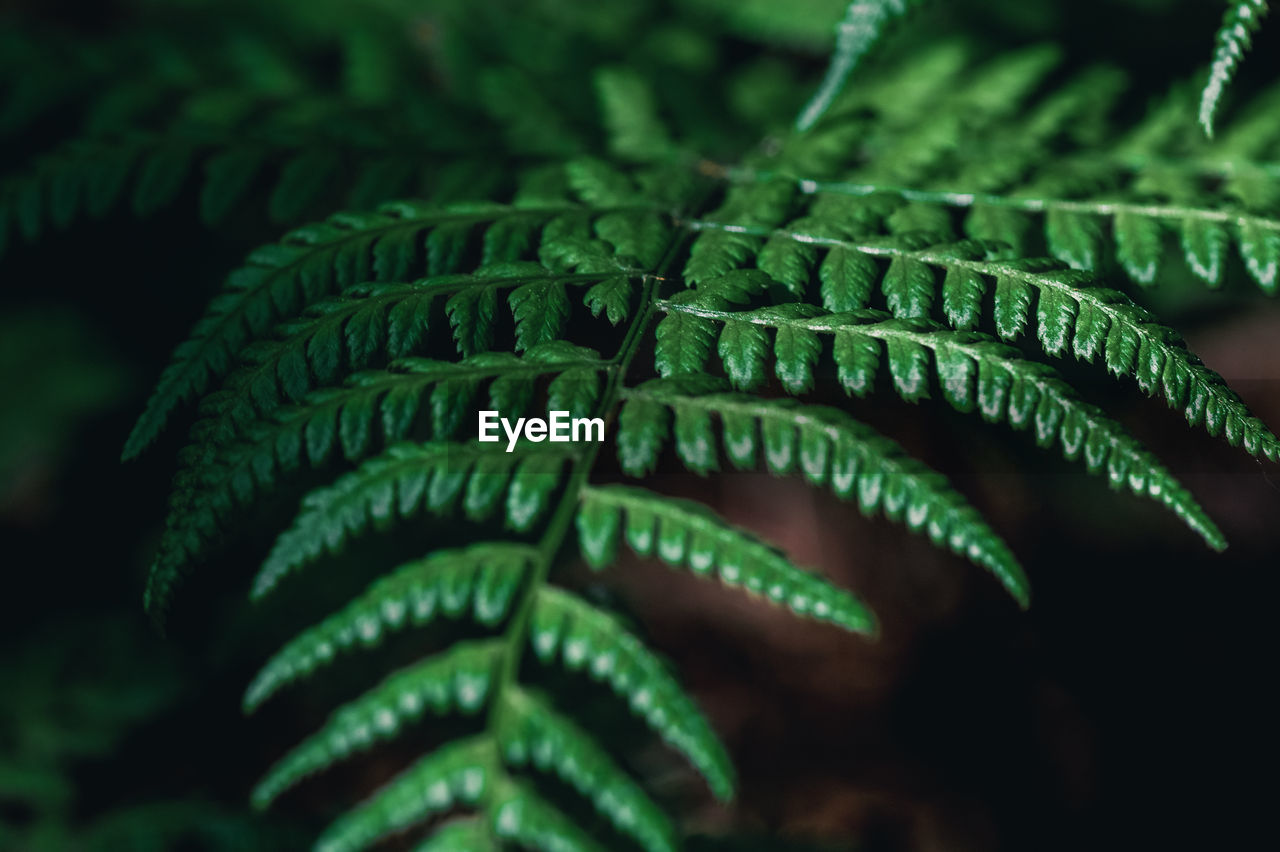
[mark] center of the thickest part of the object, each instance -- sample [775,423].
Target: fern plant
[900,237]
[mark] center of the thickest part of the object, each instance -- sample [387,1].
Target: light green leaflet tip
[863,25]
[1234,37]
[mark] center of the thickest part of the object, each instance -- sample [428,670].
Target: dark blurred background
[1128,708]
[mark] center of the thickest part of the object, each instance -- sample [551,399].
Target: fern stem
[515,637]
[1025,204]
[553,537]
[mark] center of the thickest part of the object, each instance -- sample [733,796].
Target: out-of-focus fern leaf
[630,113]
[1111,195]
[1234,37]
[863,25]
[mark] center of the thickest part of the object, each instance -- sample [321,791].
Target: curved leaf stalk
[863,25]
[1173,212]
[561,522]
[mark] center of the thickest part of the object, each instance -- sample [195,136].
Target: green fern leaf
[827,447]
[1205,246]
[631,115]
[346,250]
[612,297]
[587,638]
[529,821]
[684,341]
[797,350]
[540,309]
[729,241]
[1138,246]
[229,464]
[682,532]
[1260,248]
[863,25]
[480,580]
[999,224]
[457,774]
[962,294]
[1008,389]
[403,481]
[531,733]
[1235,35]
[847,278]
[1074,238]
[1108,324]
[926,193]
[457,680]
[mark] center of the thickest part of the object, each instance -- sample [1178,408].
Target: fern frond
[480,580]
[1071,314]
[388,323]
[1054,174]
[457,774]
[407,479]
[531,733]
[586,638]
[976,374]
[826,445]
[1242,19]
[457,680]
[460,680]
[373,408]
[300,154]
[636,132]
[361,348]
[528,820]
[350,249]
[684,532]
